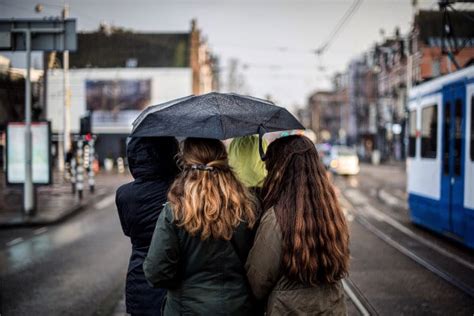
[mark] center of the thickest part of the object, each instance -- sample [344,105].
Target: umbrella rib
[220,117]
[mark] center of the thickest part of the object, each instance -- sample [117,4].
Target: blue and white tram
[440,163]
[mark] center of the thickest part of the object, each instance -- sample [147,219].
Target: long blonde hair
[207,198]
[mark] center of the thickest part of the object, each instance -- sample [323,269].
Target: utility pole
[28,195]
[67,102]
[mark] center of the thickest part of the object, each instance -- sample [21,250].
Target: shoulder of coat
[168,212]
[123,191]
[269,218]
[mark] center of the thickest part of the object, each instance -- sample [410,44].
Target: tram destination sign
[46,35]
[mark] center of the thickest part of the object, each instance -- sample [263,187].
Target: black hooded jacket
[139,203]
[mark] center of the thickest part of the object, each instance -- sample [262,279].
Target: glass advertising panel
[41,153]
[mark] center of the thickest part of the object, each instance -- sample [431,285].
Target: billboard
[41,152]
[117,102]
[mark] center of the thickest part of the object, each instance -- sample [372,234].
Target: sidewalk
[55,202]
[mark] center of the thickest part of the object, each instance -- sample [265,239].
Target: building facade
[116,74]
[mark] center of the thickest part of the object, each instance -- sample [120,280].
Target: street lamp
[65,146]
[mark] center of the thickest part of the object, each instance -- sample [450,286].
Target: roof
[121,48]
[429,24]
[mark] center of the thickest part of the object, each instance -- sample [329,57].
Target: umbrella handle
[261,132]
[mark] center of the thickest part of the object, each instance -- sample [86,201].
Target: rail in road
[447,265]
[361,303]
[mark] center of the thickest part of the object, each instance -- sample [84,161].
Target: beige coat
[286,297]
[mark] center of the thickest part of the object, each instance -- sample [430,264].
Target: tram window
[447,126]
[429,131]
[472,128]
[412,134]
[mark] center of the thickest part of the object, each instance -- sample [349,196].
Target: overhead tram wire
[339,26]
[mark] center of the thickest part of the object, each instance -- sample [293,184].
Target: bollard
[87,157]
[120,165]
[91,166]
[73,173]
[80,168]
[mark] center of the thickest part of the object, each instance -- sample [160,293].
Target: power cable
[339,26]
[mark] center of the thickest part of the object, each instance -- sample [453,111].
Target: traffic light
[86,125]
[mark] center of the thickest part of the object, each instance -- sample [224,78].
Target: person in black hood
[152,162]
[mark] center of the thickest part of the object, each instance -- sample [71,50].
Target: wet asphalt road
[78,267]
[399,268]
[74,268]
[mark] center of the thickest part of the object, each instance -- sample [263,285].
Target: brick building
[426,60]
[327,112]
[390,64]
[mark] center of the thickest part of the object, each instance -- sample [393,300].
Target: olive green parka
[284,296]
[203,277]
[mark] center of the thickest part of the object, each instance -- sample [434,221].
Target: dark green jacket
[202,277]
[286,297]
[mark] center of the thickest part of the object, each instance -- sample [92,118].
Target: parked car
[344,161]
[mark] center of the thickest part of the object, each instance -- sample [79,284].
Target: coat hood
[244,158]
[153,157]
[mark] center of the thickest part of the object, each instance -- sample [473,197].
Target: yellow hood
[244,159]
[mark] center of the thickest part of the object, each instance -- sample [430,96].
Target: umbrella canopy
[213,115]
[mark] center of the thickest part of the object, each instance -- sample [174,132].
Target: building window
[447,135]
[472,127]
[436,68]
[429,131]
[412,134]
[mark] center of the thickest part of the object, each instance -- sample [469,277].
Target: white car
[344,161]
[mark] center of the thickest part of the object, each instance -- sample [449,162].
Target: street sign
[41,153]
[46,35]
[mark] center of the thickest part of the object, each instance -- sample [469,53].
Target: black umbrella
[213,115]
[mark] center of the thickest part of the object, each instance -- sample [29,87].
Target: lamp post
[65,145]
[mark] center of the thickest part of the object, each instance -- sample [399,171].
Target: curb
[32,222]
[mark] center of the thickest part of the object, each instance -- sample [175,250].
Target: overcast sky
[273,38]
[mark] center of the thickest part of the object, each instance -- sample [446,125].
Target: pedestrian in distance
[203,236]
[301,249]
[152,163]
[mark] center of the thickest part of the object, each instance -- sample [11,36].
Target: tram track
[362,304]
[364,221]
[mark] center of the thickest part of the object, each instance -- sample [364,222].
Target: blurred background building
[116,73]
[369,100]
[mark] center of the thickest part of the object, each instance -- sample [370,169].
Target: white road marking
[390,199]
[41,230]
[15,241]
[107,201]
[355,196]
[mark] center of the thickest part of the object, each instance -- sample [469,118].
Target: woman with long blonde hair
[301,250]
[203,236]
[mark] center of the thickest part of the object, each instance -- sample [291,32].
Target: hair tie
[201,167]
